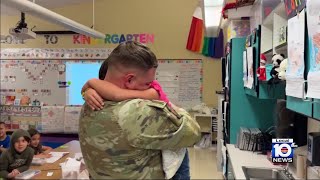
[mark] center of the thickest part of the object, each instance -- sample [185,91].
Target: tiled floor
[203,164]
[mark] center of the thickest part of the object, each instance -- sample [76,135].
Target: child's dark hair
[103,70]
[1,122]
[33,132]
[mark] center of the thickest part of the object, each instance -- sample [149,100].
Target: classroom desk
[72,147]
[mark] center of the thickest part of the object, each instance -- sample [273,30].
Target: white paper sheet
[227,72]
[295,70]
[250,68]
[52,118]
[181,80]
[245,69]
[313,17]
[55,156]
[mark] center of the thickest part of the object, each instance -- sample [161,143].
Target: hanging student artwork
[250,72]
[254,36]
[296,66]
[248,41]
[313,16]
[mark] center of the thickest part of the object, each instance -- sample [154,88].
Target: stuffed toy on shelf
[261,71]
[283,69]
[276,61]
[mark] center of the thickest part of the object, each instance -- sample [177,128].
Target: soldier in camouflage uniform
[124,140]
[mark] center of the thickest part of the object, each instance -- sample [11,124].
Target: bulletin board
[36,78]
[41,74]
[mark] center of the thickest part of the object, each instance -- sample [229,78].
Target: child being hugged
[175,162]
[18,157]
[40,151]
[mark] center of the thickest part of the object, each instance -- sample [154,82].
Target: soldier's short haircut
[133,54]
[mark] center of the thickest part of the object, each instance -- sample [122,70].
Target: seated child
[175,168]
[18,157]
[4,138]
[40,151]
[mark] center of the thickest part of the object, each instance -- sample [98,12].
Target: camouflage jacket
[124,140]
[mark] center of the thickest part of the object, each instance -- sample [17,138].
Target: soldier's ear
[129,77]
[129,81]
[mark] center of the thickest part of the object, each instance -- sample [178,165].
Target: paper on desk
[313,15]
[59,153]
[296,66]
[71,169]
[79,157]
[55,156]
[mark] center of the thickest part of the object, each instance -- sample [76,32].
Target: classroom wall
[168,20]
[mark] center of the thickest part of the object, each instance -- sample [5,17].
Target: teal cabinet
[299,105]
[245,110]
[277,91]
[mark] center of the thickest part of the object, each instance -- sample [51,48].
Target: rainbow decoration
[199,42]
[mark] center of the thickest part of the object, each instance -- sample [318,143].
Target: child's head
[103,70]
[35,137]
[19,140]
[3,130]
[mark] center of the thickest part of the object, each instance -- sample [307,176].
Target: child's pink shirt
[162,95]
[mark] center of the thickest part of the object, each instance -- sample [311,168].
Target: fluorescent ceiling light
[43,13]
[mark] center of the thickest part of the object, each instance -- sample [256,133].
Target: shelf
[280,10]
[268,51]
[281,47]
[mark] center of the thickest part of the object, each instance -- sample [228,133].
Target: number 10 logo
[282,151]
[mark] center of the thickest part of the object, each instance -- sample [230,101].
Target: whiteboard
[37,79]
[181,79]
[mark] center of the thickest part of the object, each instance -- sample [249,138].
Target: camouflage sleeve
[154,125]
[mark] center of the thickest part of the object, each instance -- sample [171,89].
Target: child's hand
[93,99]
[47,155]
[13,173]
[85,87]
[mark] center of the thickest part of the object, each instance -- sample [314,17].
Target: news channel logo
[282,150]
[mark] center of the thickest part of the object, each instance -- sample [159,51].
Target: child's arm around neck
[112,92]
